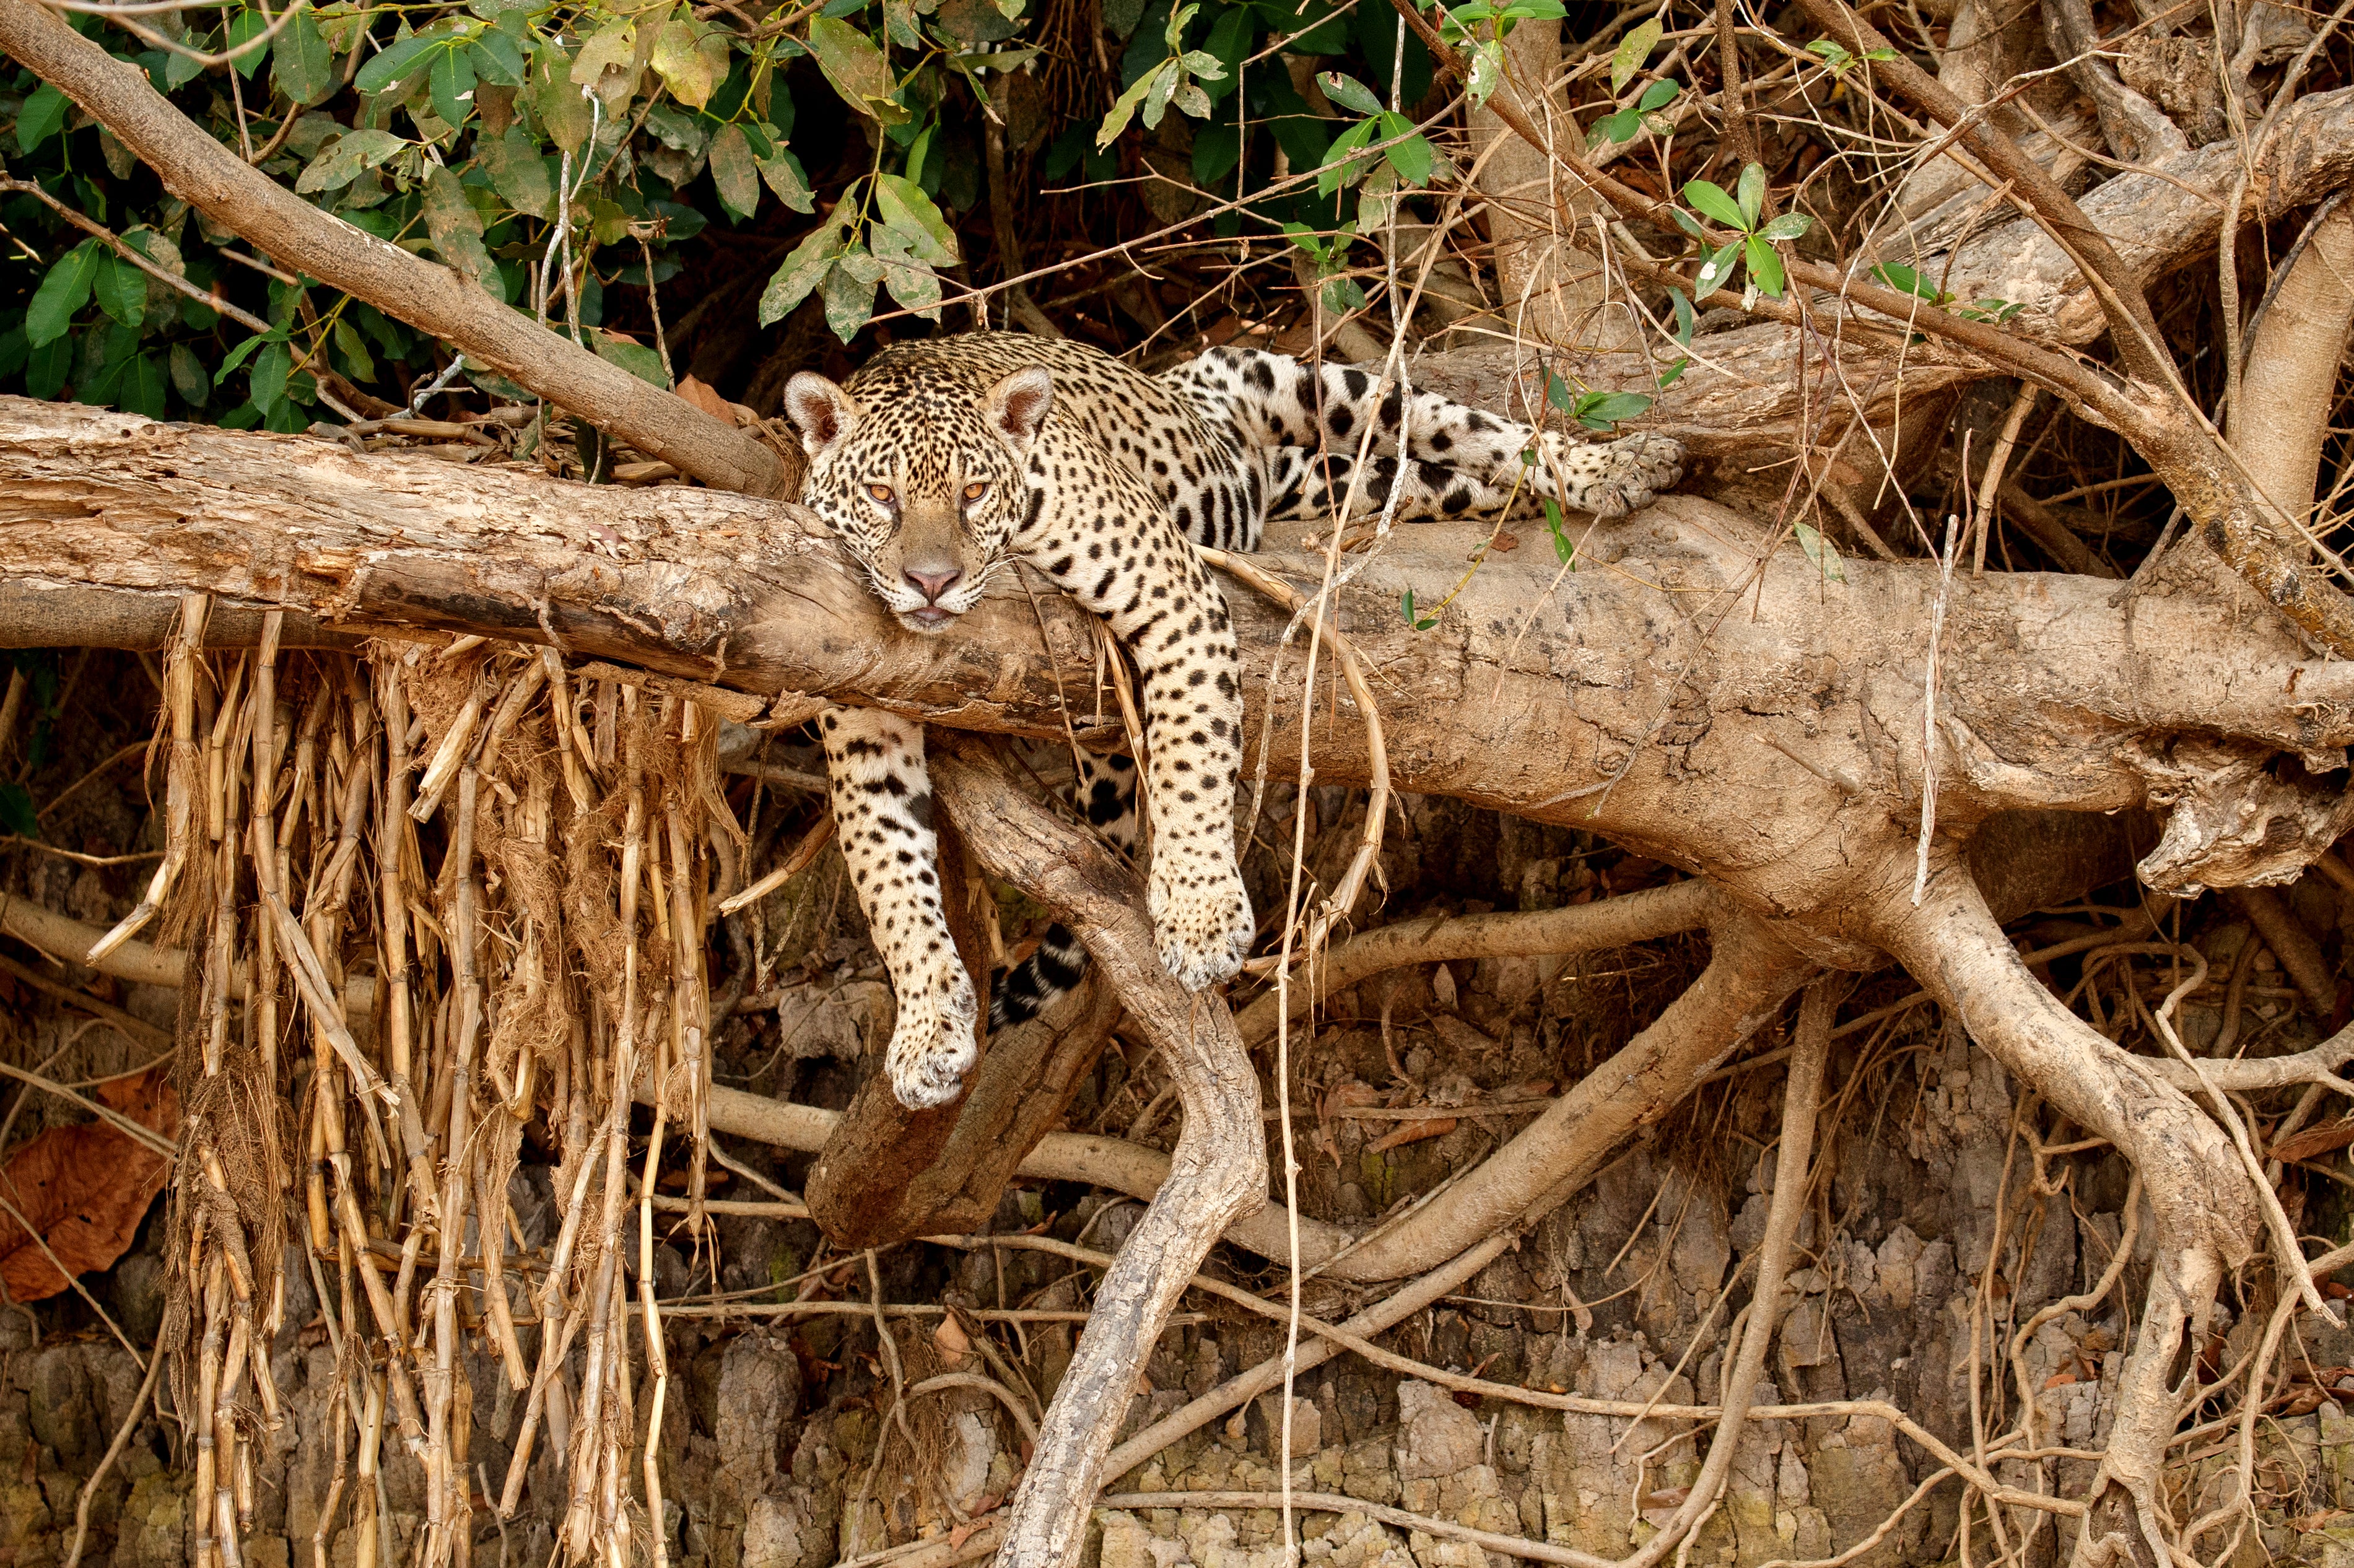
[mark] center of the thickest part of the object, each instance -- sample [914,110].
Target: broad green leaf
[1165,82]
[1619,127]
[1716,272]
[1487,71]
[37,120]
[268,379]
[1411,158]
[121,290]
[784,175]
[1822,552]
[63,293]
[1341,162]
[856,68]
[499,59]
[691,60]
[457,230]
[1906,281]
[614,44]
[1764,266]
[562,111]
[1632,51]
[634,357]
[912,282]
[1709,200]
[803,270]
[305,67]
[517,170]
[1789,226]
[46,367]
[344,160]
[451,82]
[1216,150]
[1602,410]
[1124,107]
[1669,377]
[904,209]
[245,351]
[1657,96]
[393,62]
[141,389]
[849,293]
[733,171]
[1751,195]
[1685,317]
[246,54]
[1349,92]
[352,346]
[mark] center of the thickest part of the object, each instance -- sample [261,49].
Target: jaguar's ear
[821,411]
[1017,406]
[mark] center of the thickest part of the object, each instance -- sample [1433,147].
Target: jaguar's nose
[932,584]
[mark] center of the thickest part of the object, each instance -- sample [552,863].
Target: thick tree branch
[433,299]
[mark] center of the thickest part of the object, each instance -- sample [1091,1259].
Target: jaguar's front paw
[1201,918]
[1632,472]
[931,1045]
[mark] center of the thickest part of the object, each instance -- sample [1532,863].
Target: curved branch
[1619,922]
[2294,354]
[1217,1172]
[433,299]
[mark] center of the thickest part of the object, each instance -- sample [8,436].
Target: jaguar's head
[926,486]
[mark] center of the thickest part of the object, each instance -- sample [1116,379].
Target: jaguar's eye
[881,493]
[976,490]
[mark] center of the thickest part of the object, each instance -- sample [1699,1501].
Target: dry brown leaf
[2314,1141]
[702,396]
[2059,1380]
[1413,1132]
[953,1344]
[85,1189]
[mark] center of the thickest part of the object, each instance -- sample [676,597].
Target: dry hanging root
[434,894]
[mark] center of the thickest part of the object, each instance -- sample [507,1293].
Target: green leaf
[634,357]
[351,345]
[1619,127]
[1669,377]
[63,293]
[346,158]
[1216,150]
[1602,410]
[268,379]
[457,230]
[37,120]
[517,170]
[47,367]
[563,113]
[1349,92]
[690,58]
[141,390]
[1562,549]
[1124,107]
[1411,158]
[451,82]
[1751,195]
[17,813]
[856,68]
[304,68]
[121,290]
[613,45]
[803,269]
[733,171]
[1716,272]
[1789,226]
[1764,266]
[1685,318]
[784,175]
[1657,96]
[1487,71]
[1906,281]
[849,292]
[498,58]
[1709,200]
[391,64]
[1339,164]
[245,350]
[245,55]
[1632,51]
[912,282]
[1821,551]
[904,209]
